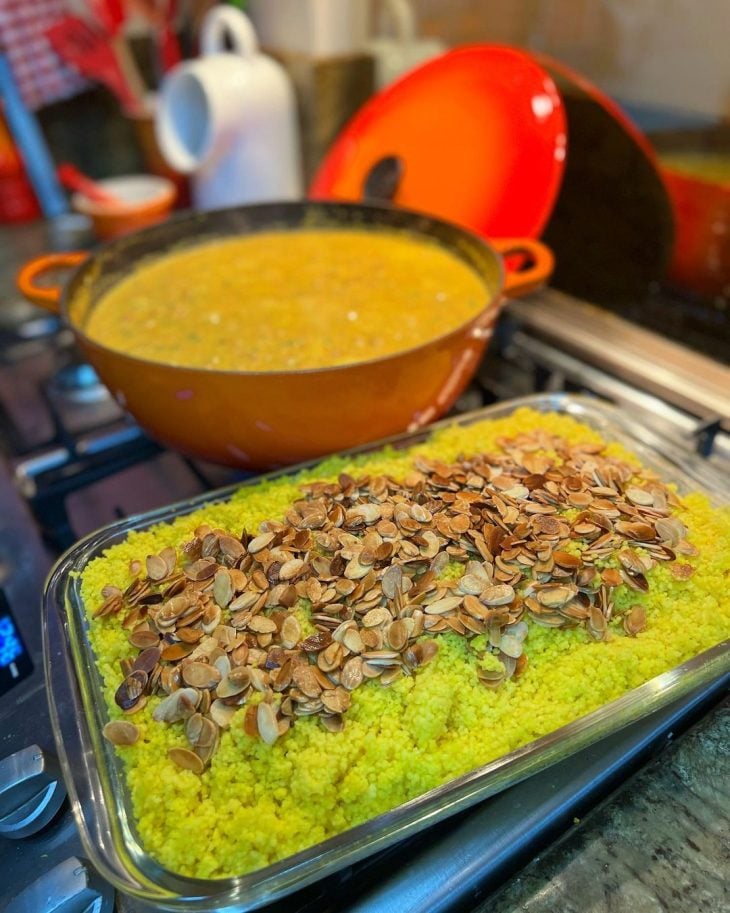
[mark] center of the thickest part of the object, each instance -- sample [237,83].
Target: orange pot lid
[611,229]
[476,136]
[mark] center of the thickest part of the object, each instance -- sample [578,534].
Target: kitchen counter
[661,843]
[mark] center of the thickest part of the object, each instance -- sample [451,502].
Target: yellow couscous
[257,803]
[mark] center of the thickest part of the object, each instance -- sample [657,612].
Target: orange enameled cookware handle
[536,270]
[48,296]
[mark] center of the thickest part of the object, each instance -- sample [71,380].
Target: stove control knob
[31,792]
[71,887]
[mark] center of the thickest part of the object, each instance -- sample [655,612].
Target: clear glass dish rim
[136,873]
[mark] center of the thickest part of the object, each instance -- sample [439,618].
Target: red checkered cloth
[41,75]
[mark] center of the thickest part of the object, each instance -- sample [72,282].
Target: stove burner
[39,327]
[79,383]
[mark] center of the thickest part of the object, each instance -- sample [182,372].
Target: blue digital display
[15,661]
[11,647]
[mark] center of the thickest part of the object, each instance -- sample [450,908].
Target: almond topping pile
[543,531]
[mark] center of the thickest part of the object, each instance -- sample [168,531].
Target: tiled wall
[673,53]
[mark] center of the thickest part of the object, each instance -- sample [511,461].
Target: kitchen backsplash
[663,53]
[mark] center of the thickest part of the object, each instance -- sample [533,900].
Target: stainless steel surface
[677,375]
[71,887]
[31,792]
[564,368]
[27,471]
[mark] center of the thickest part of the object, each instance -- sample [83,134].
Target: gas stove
[73,461]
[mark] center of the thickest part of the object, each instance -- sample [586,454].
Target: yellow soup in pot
[289,300]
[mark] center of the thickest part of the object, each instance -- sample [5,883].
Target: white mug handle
[227,20]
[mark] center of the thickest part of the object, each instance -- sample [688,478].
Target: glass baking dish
[94,774]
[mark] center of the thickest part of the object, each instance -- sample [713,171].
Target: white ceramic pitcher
[229,119]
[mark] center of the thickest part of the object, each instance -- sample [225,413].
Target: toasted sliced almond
[611,577]
[148,659]
[566,560]
[267,724]
[392,581]
[143,639]
[235,683]
[352,673]
[330,658]
[186,759]
[156,567]
[291,569]
[306,680]
[397,635]
[500,594]
[291,632]
[121,732]
[131,689]
[472,584]
[177,706]
[639,496]
[555,596]
[353,641]
[333,722]
[336,700]
[442,606]
[681,571]
[201,569]
[511,645]
[259,543]
[376,617]
[635,621]
[262,624]
[222,714]
[201,675]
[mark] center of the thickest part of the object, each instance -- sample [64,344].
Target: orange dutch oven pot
[255,419]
